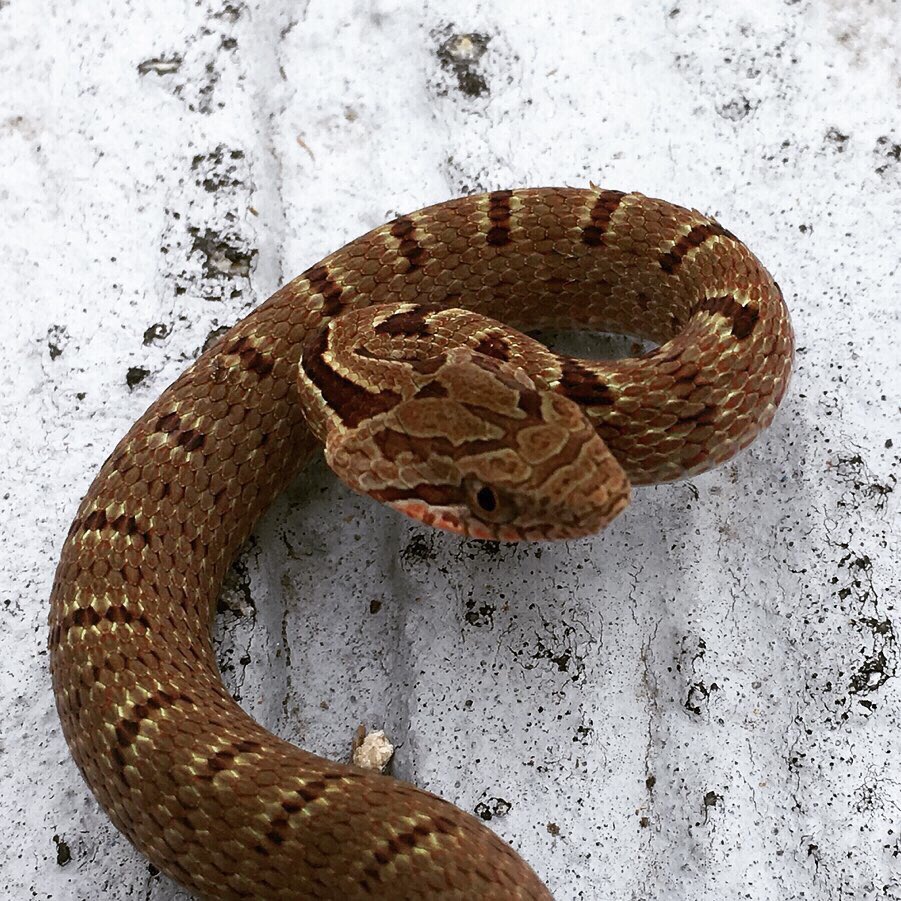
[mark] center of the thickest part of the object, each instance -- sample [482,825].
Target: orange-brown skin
[207,794]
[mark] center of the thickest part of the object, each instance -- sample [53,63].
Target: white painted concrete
[699,704]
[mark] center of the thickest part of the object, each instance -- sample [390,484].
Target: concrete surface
[701,703]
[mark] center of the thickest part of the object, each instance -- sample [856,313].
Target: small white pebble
[373,752]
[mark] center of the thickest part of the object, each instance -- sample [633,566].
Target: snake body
[207,794]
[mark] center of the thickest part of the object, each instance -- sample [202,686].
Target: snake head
[475,447]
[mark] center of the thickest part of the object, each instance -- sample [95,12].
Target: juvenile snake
[430,412]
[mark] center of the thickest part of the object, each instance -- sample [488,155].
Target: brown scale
[206,793]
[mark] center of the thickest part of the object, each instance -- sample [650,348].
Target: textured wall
[701,703]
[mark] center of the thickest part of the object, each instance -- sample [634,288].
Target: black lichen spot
[890,151]
[699,694]
[735,110]
[156,332]
[837,140]
[63,852]
[218,169]
[160,65]
[136,375]
[711,799]
[479,614]
[57,339]
[221,255]
[417,550]
[492,807]
[459,55]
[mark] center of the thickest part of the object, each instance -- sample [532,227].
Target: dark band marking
[168,423]
[530,403]
[582,385]
[129,727]
[88,617]
[351,403]
[251,358]
[428,366]
[602,212]
[671,260]
[744,318]
[95,521]
[499,216]
[432,389]
[403,843]
[494,345]
[128,525]
[409,323]
[404,229]
[224,758]
[191,440]
[394,443]
[707,416]
[321,282]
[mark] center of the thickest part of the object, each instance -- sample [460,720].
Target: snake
[410,354]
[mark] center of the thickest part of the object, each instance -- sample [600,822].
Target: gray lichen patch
[460,55]
[222,254]
[160,65]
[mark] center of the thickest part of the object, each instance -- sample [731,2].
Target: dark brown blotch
[444,825]
[85,617]
[744,318]
[404,229]
[494,345]
[254,361]
[606,204]
[407,323]
[498,233]
[433,495]
[126,732]
[671,260]
[168,423]
[428,366]
[530,403]
[191,440]
[125,525]
[312,791]
[582,385]
[322,282]
[352,403]
[95,521]
[705,416]
[432,389]
[251,358]
[238,345]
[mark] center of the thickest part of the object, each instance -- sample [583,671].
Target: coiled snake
[429,411]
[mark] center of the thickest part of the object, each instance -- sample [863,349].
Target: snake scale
[444,414]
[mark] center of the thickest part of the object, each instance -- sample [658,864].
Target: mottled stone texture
[699,704]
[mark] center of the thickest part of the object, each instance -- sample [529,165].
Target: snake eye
[489,504]
[487,499]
